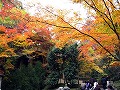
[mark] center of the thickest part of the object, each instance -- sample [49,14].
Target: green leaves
[9,23]
[52,79]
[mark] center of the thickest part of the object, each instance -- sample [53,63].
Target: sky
[57,4]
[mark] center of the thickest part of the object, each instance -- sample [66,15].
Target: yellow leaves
[31,25]
[1,5]
[15,10]
[58,30]
[8,53]
[3,41]
[21,40]
[26,51]
[116,16]
[64,37]
[61,42]
[97,68]
[17,13]
[99,20]
[76,35]
[88,67]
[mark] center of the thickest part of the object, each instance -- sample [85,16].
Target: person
[66,88]
[109,83]
[104,82]
[83,86]
[97,87]
[60,88]
[110,87]
[87,85]
[92,80]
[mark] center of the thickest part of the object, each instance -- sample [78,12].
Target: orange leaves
[34,23]
[28,34]
[11,32]
[99,20]
[62,39]
[4,40]
[88,48]
[2,28]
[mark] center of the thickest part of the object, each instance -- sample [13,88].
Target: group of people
[103,84]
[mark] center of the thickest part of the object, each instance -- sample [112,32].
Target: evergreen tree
[70,63]
[68,66]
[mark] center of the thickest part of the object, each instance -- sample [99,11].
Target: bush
[25,78]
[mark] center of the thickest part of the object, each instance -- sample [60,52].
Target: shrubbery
[25,78]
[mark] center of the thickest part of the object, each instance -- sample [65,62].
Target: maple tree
[21,33]
[105,27]
[99,35]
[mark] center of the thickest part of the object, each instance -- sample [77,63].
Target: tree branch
[105,19]
[111,3]
[110,19]
[114,29]
[72,27]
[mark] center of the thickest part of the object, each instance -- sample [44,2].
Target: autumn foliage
[21,33]
[99,36]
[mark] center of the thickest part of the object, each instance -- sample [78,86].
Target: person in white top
[95,84]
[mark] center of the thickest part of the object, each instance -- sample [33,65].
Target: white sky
[57,4]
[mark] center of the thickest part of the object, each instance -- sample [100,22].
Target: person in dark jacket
[104,82]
